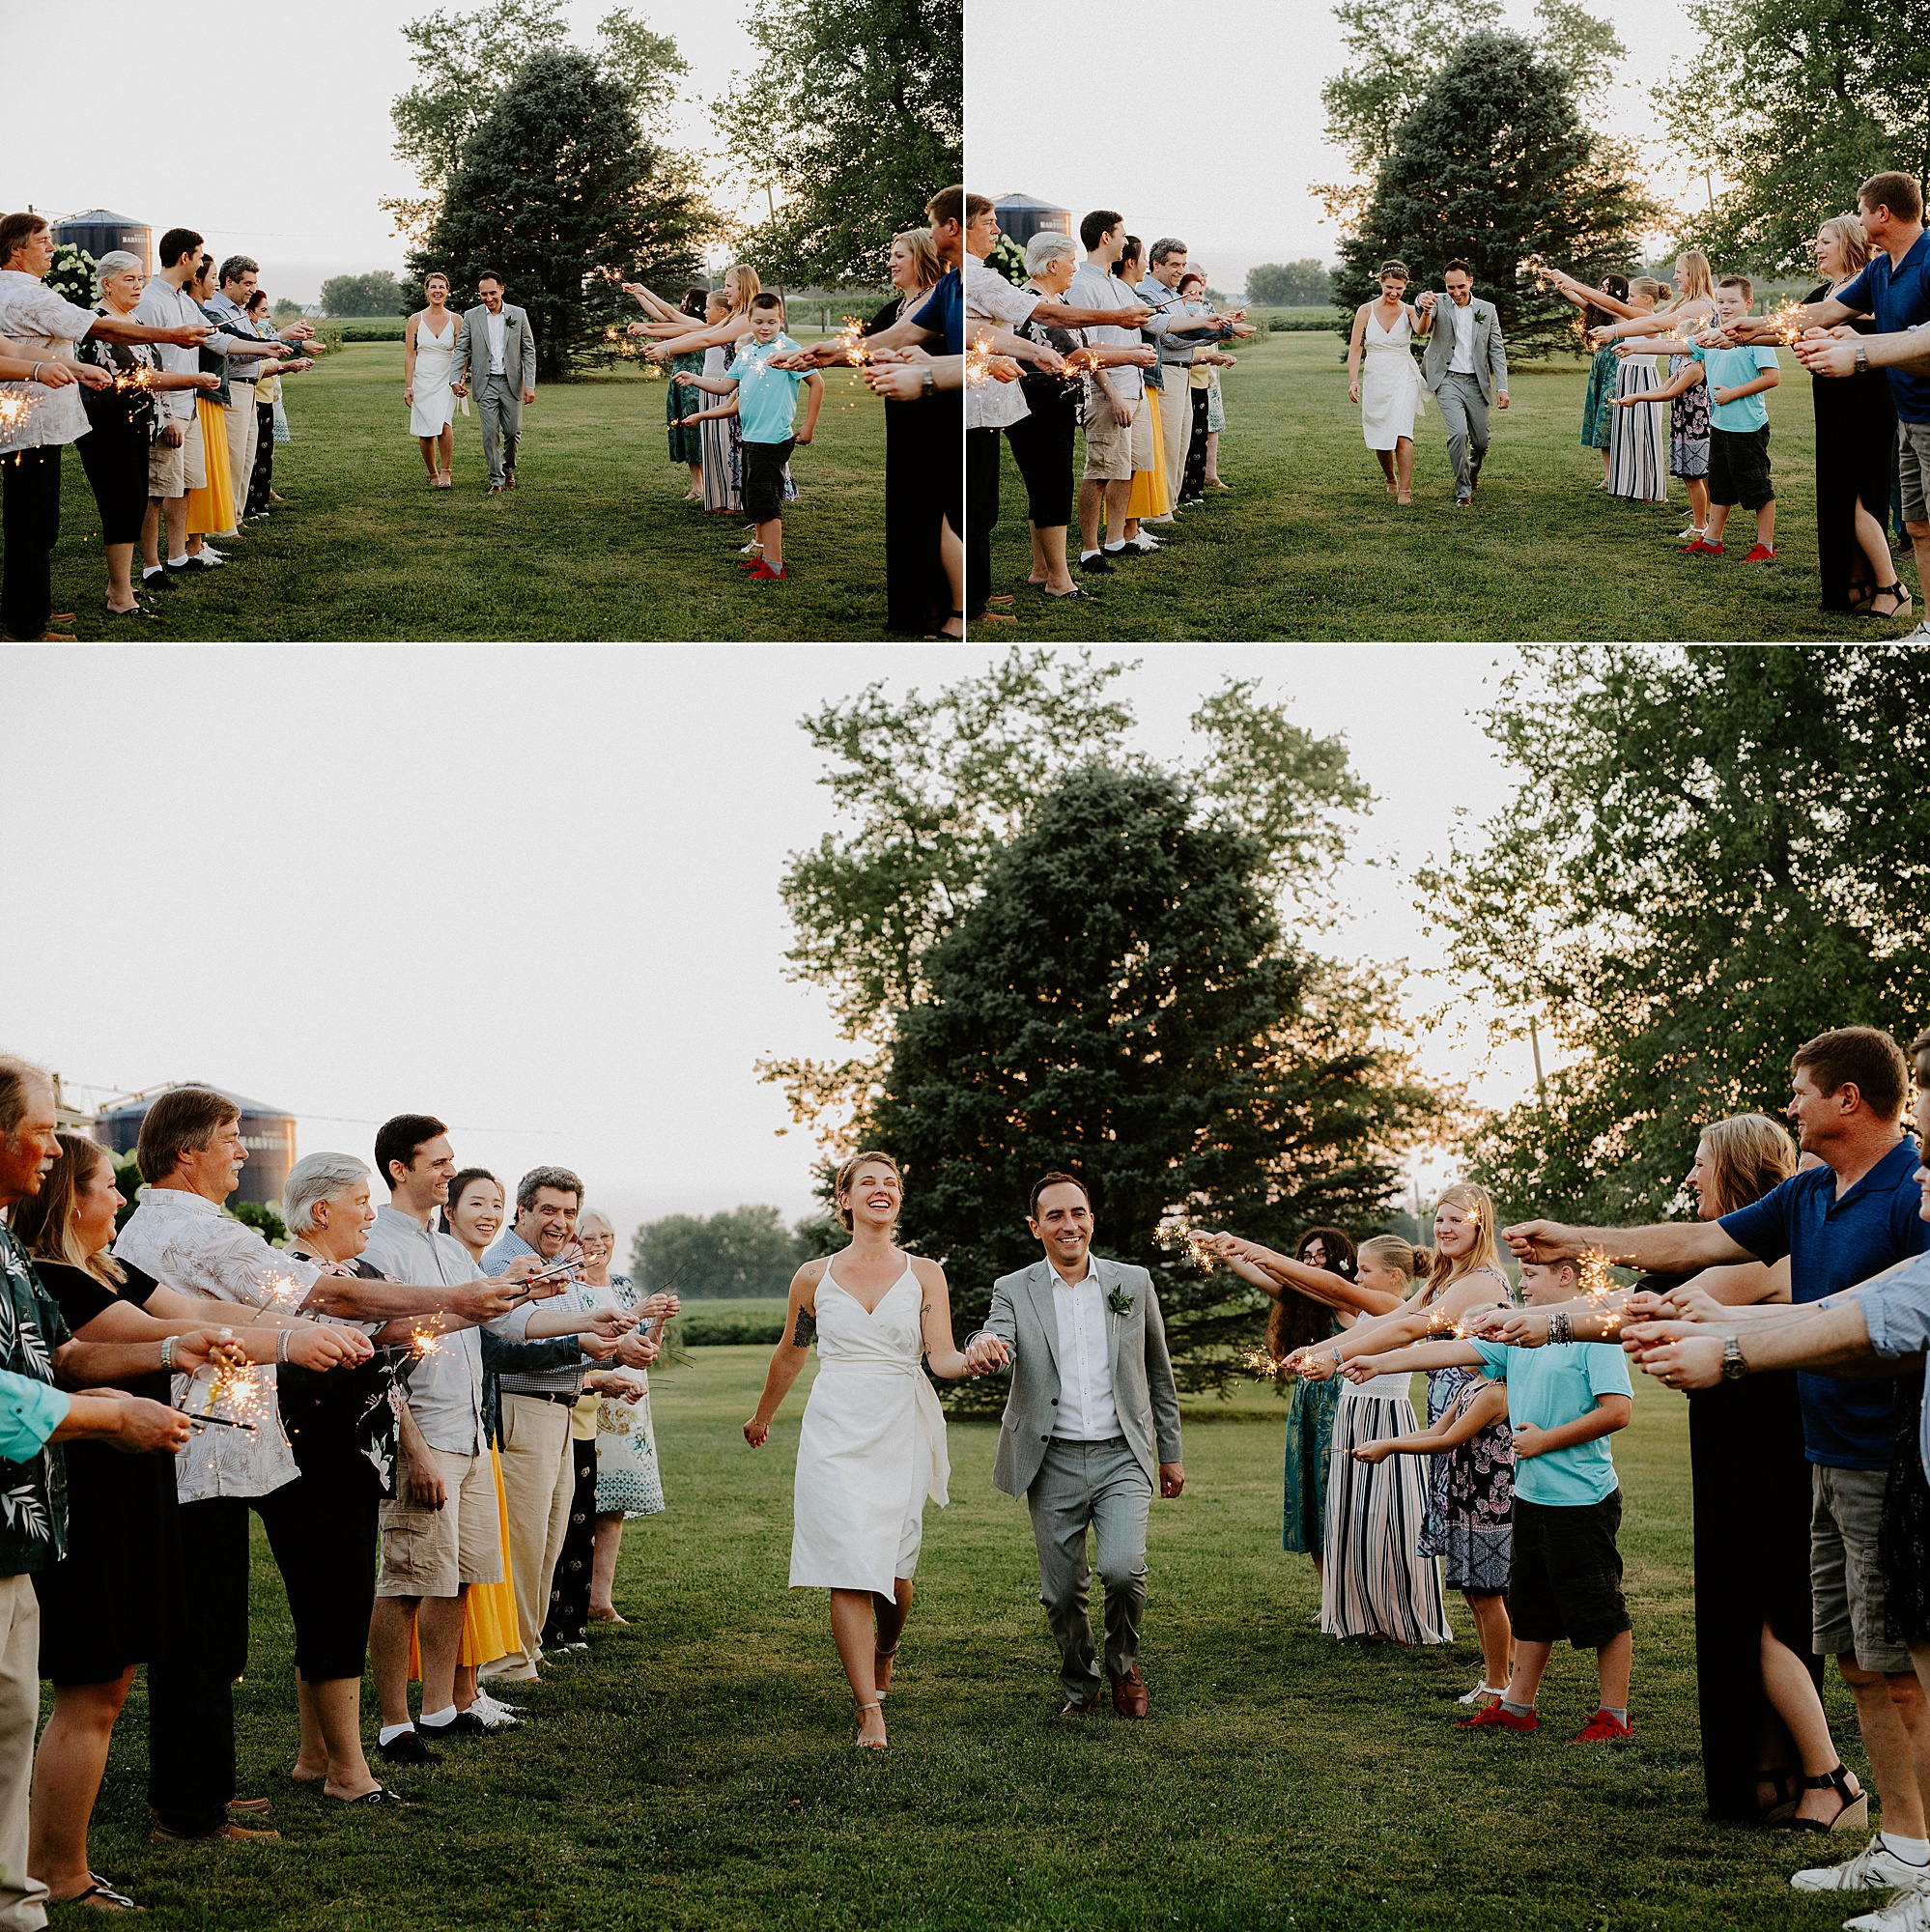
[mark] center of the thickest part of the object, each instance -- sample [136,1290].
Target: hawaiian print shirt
[32,1493]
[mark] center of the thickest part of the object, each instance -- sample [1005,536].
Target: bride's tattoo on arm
[805,1332]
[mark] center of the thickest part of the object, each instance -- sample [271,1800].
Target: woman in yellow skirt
[1150,497]
[212,507]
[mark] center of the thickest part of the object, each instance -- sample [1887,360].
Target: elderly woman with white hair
[343,1429]
[121,424]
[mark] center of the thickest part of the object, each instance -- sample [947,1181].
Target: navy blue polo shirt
[1898,298]
[1832,1244]
[944,312]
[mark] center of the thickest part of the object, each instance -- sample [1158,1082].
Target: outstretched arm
[1482,1409]
[1422,1355]
[941,1352]
[787,1358]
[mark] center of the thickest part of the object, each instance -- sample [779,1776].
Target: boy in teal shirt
[765,404]
[1564,1400]
[1738,458]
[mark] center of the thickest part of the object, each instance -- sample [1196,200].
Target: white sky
[533,889]
[308,90]
[1214,129]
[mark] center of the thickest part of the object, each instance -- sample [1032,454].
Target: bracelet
[1560,1328]
[167,1351]
[35,375]
[1340,1361]
[281,1344]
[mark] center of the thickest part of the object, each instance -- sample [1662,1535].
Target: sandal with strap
[882,1657]
[381,1795]
[1788,1788]
[943,636]
[872,1743]
[110,1899]
[1853,1812]
[1900,602]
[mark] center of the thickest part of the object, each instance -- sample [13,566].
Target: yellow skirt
[1151,496]
[489,1609]
[213,508]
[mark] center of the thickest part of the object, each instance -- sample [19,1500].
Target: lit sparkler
[1538,272]
[14,409]
[1787,322]
[978,359]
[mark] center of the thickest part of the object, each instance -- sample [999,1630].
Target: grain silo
[100,230]
[1024,216]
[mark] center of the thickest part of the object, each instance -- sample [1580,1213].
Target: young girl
[1637,439]
[1472,1492]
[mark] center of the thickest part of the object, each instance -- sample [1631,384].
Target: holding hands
[985,1354]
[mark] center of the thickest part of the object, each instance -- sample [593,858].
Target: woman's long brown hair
[43,1223]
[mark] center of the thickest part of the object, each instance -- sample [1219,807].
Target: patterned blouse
[129,411]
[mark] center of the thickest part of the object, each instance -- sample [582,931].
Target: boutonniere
[1120,1300]
[1480,314]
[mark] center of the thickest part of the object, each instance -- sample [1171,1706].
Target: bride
[1391,390]
[872,1447]
[428,354]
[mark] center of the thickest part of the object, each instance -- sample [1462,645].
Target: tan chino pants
[537,1484]
[21,1898]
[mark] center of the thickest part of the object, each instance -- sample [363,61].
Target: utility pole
[1541,1086]
[770,202]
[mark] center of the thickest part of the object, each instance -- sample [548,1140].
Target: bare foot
[309,1774]
[348,1793]
[1404,496]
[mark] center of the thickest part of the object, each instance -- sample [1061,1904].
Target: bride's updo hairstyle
[851,1167]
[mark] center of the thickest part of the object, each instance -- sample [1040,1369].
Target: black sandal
[939,637]
[381,1795]
[1788,1789]
[119,1901]
[1899,607]
[1853,1814]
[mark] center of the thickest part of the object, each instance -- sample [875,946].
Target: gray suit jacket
[519,348]
[1490,360]
[1143,1392]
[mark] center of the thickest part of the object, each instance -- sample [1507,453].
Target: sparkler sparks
[978,359]
[1787,322]
[14,409]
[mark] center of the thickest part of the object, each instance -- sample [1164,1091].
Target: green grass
[593,543]
[696,1772]
[1309,545]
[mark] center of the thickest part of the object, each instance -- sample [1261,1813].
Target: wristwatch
[1733,1368]
[929,381]
[1863,357]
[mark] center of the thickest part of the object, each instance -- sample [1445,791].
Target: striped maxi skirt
[1374,1581]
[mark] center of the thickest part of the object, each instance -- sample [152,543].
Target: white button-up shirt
[498,323]
[186,1243]
[1086,1410]
[1094,287]
[1462,319]
[166,306]
[46,326]
[445,1386]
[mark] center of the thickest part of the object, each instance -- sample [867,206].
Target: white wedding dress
[872,1448]
[1390,383]
[433,408]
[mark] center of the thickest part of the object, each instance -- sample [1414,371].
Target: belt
[250,381]
[547,1395]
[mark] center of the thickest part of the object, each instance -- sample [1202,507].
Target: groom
[494,337]
[1467,368]
[1092,1422]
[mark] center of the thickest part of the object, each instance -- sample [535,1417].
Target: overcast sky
[308,90]
[534,890]
[1211,128]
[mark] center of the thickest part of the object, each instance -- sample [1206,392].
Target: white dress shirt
[498,323]
[186,1243]
[1094,287]
[445,1386]
[1086,1410]
[1462,319]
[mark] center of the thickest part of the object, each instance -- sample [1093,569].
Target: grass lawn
[593,543]
[697,1772]
[1309,545]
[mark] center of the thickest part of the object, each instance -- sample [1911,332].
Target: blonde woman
[872,1446]
[1471,1489]
[428,355]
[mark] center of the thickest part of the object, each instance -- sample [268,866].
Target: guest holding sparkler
[1639,439]
[1374,1580]
[1597,414]
[1839,1224]
[122,423]
[267,395]
[1565,1575]
[679,401]
[1471,1490]
[34,1527]
[428,360]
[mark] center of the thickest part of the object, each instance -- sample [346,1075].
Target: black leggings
[1193,483]
[1042,448]
[569,1587]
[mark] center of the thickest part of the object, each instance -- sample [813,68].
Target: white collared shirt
[1086,1409]
[496,324]
[1462,319]
[186,1243]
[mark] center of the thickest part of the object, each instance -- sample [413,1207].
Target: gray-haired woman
[121,424]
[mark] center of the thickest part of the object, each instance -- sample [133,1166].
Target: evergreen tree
[1711,856]
[557,192]
[1494,163]
[1120,1002]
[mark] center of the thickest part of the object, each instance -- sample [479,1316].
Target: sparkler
[1539,272]
[1787,322]
[14,409]
[978,359]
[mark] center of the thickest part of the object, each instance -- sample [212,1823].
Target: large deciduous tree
[1120,1001]
[1494,162]
[854,116]
[1791,104]
[1711,856]
[378,293]
[558,191]
[741,1251]
[1302,284]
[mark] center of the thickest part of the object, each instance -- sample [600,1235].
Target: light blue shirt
[1730,369]
[30,1412]
[509,1246]
[767,404]
[1547,1388]
[1897,1309]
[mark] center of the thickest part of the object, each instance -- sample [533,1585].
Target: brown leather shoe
[1129,1697]
[223,1833]
[1072,1708]
[249,1807]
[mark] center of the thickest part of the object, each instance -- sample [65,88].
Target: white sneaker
[1907,1912]
[1872,1869]
[495,1716]
[1480,1692]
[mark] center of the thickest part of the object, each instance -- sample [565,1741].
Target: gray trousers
[1099,1484]
[502,409]
[1465,417]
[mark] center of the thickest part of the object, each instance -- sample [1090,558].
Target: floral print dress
[627,1477]
[1471,1494]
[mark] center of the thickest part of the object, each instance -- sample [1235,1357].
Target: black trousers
[29,529]
[116,461]
[263,479]
[570,1584]
[1042,445]
[981,512]
[1193,483]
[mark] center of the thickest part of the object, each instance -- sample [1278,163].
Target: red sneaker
[1762,554]
[1700,547]
[1495,1719]
[764,574]
[1602,1730]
